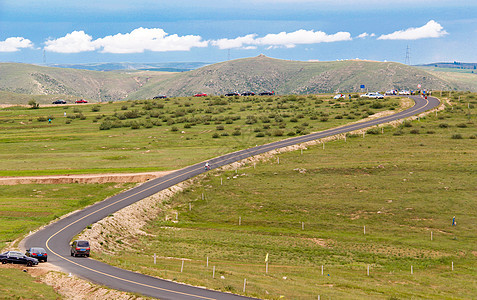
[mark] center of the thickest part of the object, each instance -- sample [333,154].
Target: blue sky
[209,31]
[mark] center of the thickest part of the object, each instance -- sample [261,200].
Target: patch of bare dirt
[83,178]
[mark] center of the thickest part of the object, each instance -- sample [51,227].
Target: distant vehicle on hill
[339,96]
[160,97]
[232,94]
[404,92]
[60,101]
[249,93]
[200,95]
[373,95]
[81,101]
[391,92]
[267,93]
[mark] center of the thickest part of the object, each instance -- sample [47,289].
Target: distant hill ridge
[248,74]
[294,77]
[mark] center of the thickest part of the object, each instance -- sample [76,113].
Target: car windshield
[83,244]
[39,250]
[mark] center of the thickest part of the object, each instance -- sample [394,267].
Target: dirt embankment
[83,178]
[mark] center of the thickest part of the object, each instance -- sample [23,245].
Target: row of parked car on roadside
[61,101]
[248,93]
[34,255]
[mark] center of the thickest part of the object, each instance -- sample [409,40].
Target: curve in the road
[56,237]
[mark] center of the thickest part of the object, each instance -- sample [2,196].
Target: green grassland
[24,287]
[152,135]
[403,186]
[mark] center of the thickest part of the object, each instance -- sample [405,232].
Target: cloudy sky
[87,31]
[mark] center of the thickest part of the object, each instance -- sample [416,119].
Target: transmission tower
[44,57]
[408,56]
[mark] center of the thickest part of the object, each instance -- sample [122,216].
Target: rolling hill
[26,80]
[294,77]
[257,74]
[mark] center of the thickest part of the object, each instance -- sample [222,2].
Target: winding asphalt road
[57,236]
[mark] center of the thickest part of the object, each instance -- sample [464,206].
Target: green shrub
[462,125]
[174,128]
[236,133]
[414,131]
[456,136]
[215,135]
[443,125]
[106,125]
[372,131]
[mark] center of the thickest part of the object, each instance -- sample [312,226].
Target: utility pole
[407,61]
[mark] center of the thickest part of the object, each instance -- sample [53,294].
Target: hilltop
[295,77]
[257,74]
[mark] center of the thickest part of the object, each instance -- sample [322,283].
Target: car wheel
[72,254]
[4,261]
[45,260]
[29,264]
[87,255]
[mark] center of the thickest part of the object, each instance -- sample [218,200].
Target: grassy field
[25,286]
[372,201]
[149,135]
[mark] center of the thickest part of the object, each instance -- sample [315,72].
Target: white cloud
[431,30]
[152,39]
[365,35]
[14,44]
[137,41]
[75,42]
[282,39]
[235,43]
[290,40]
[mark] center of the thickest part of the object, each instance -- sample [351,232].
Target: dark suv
[80,248]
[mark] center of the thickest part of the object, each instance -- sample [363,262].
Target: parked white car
[373,95]
[339,96]
[391,92]
[404,92]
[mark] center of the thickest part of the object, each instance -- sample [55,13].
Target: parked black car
[267,93]
[14,257]
[232,94]
[38,253]
[249,93]
[79,247]
[160,97]
[59,102]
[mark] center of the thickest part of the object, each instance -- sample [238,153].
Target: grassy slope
[99,86]
[25,287]
[31,147]
[402,186]
[257,74]
[291,77]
